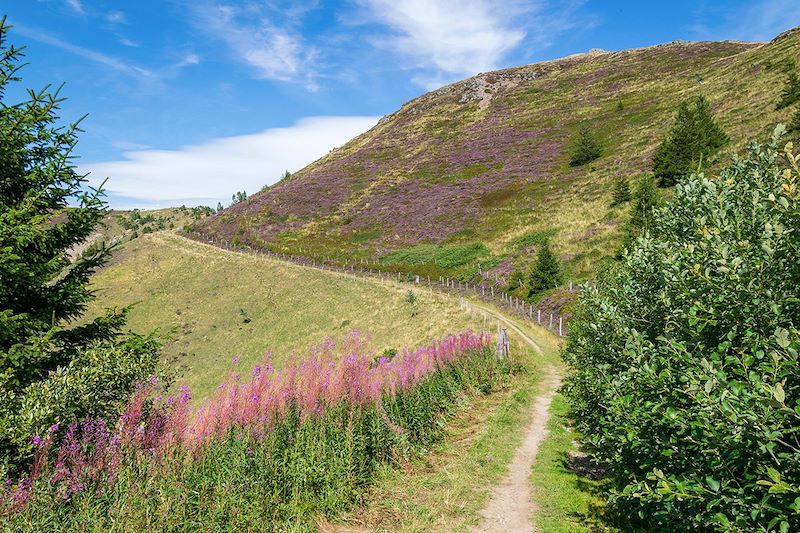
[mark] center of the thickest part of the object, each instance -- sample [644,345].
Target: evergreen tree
[219,207]
[43,288]
[585,147]
[621,193]
[791,91]
[645,200]
[546,271]
[794,123]
[691,144]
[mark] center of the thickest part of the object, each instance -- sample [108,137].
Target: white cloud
[115,17]
[276,53]
[455,37]
[76,6]
[127,42]
[214,170]
[188,60]
[85,53]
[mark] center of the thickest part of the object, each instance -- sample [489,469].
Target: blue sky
[189,101]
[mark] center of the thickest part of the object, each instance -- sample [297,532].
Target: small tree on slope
[684,368]
[43,291]
[691,144]
[585,147]
[546,271]
[645,199]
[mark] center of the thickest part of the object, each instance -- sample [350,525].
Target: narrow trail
[511,505]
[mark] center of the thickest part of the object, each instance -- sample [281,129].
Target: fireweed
[275,448]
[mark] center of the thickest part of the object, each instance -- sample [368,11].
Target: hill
[216,305]
[474,175]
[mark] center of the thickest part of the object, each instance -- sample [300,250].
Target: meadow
[214,305]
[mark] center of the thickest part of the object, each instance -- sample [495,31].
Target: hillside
[216,305]
[476,173]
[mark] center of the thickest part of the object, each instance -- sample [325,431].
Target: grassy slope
[221,304]
[446,489]
[447,168]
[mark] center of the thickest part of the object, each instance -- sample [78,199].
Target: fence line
[557,324]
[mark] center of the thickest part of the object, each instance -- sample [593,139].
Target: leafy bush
[684,373]
[691,144]
[96,383]
[269,453]
[585,147]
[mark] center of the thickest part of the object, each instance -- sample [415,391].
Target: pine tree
[691,144]
[585,147]
[546,271]
[621,193]
[41,288]
[47,210]
[645,200]
[794,123]
[791,91]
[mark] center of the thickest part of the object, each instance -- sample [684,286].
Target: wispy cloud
[276,52]
[212,171]
[188,60]
[115,17]
[457,38]
[85,53]
[76,6]
[756,21]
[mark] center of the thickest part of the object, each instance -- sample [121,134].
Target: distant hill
[473,176]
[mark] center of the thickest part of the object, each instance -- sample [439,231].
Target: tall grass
[271,451]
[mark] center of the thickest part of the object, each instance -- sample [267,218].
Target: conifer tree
[622,192]
[791,91]
[546,271]
[645,199]
[691,144]
[50,368]
[585,147]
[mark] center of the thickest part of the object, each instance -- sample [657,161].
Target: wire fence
[487,290]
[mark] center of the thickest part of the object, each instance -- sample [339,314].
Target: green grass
[566,502]
[218,304]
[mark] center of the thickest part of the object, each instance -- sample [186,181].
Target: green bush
[791,91]
[692,143]
[684,371]
[441,256]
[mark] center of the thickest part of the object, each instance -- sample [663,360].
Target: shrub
[691,144]
[585,147]
[546,271]
[266,453]
[684,360]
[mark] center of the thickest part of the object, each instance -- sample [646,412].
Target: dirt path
[511,506]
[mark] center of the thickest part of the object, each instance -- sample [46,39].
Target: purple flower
[37,441]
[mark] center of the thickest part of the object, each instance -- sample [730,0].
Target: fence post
[551,320]
[492,287]
[560,323]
